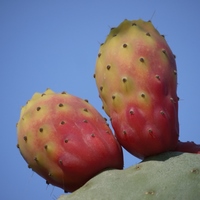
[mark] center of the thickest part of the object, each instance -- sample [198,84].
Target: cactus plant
[171,175]
[67,142]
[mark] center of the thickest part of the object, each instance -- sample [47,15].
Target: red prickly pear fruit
[136,76]
[65,140]
[188,147]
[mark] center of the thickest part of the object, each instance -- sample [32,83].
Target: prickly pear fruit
[189,147]
[171,175]
[65,140]
[136,76]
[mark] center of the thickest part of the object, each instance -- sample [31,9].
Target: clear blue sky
[54,44]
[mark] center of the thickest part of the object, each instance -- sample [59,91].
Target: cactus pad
[171,175]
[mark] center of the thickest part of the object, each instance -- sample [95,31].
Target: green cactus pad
[171,175]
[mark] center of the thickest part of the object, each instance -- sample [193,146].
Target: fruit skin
[136,77]
[65,140]
[171,175]
[189,147]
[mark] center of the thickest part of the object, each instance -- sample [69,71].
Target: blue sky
[54,44]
